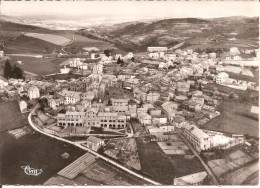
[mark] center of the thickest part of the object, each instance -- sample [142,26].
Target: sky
[131,9]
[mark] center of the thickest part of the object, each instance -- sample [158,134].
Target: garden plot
[55,39]
[125,151]
[232,161]
[46,120]
[173,148]
[241,175]
[106,174]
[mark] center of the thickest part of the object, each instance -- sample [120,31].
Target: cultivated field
[54,39]
[125,151]
[232,161]
[173,148]
[33,150]
[164,167]
[8,111]
[106,174]
[233,119]
[243,175]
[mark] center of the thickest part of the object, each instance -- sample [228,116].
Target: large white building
[33,92]
[157,49]
[221,77]
[199,139]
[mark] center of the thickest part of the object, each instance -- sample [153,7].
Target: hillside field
[40,66]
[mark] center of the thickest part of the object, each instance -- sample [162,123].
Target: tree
[8,70]
[107,53]
[118,60]
[17,72]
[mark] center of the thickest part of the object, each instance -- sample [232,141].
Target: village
[109,103]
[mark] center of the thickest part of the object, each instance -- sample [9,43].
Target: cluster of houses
[165,95]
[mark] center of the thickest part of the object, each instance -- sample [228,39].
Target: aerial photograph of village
[129,93]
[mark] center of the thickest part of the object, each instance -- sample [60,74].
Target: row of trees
[12,72]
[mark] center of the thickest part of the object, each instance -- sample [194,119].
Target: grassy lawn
[11,117]
[163,168]
[233,119]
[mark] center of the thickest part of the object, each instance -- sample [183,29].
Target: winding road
[88,150]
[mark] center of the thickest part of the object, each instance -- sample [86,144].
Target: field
[8,111]
[106,174]
[163,168]
[232,161]
[173,148]
[247,175]
[81,42]
[237,70]
[39,66]
[125,151]
[233,119]
[55,39]
[46,120]
[24,44]
[33,150]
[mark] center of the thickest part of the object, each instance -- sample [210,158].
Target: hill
[207,33]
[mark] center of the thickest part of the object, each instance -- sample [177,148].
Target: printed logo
[31,171]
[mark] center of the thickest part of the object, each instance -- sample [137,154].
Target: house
[199,139]
[139,94]
[155,112]
[154,55]
[65,70]
[152,97]
[23,106]
[118,56]
[170,57]
[94,143]
[159,119]
[75,63]
[183,87]
[33,92]
[132,110]
[3,82]
[71,97]
[130,82]
[144,118]
[212,55]
[221,77]
[234,50]
[192,179]
[2,53]
[53,103]
[119,102]
[87,95]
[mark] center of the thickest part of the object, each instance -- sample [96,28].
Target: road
[88,150]
[210,173]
